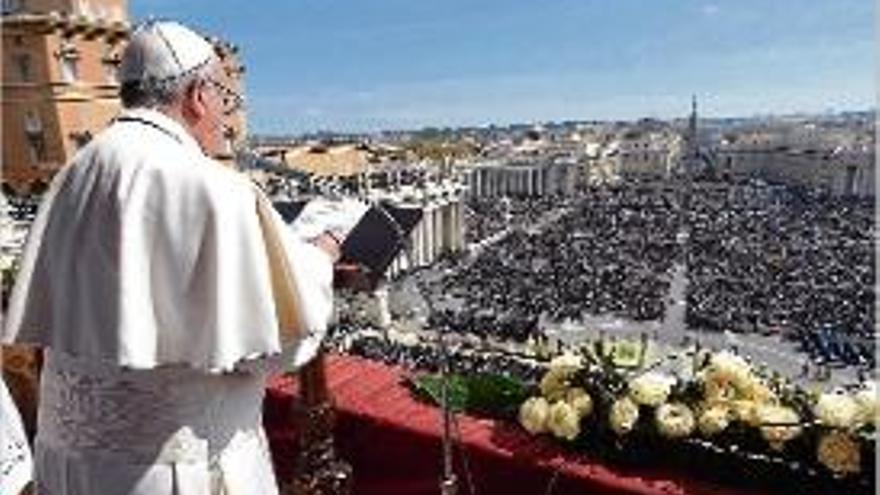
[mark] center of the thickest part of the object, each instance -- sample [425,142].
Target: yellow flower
[779,424]
[651,389]
[533,415]
[837,410]
[674,420]
[623,416]
[714,420]
[580,400]
[839,453]
[563,421]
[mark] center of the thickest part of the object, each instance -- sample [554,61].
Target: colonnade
[440,231]
[521,180]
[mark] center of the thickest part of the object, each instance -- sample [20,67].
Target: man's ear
[194,106]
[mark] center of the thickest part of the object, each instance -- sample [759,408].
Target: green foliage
[492,395]
[627,354]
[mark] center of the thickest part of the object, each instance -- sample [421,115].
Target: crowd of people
[610,254]
[757,257]
[781,259]
[488,216]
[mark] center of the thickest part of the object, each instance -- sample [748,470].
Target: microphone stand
[449,481]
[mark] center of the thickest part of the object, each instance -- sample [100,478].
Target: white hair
[154,93]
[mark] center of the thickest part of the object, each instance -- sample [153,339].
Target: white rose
[651,389]
[779,424]
[729,367]
[533,415]
[839,453]
[869,403]
[580,400]
[746,411]
[623,416]
[567,362]
[755,389]
[674,420]
[564,421]
[714,420]
[555,383]
[717,390]
[837,410]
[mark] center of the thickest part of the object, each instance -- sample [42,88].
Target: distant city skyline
[351,66]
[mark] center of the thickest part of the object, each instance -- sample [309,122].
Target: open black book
[376,239]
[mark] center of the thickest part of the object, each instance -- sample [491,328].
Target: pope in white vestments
[163,288]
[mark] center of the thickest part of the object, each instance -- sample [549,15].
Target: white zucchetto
[162,50]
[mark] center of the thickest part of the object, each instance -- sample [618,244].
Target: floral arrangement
[721,407]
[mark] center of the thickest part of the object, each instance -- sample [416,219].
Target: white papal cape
[164,287]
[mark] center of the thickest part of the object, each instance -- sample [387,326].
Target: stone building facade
[59,81]
[640,154]
[59,84]
[839,165]
[236,122]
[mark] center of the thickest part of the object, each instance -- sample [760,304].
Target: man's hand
[337,217]
[330,244]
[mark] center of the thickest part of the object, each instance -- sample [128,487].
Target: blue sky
[363,65]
